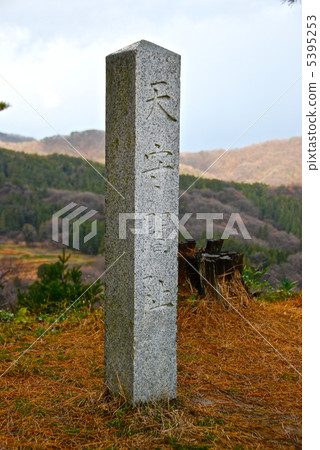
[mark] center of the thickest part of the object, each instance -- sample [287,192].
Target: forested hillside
[281,204]
[57,171]
[33,187]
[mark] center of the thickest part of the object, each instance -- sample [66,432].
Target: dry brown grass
[234,390]
[26,260]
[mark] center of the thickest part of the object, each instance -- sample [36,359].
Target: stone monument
[142,163]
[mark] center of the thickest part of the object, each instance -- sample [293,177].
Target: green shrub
[254,279]
[6,316]
[284,291]
[59,287]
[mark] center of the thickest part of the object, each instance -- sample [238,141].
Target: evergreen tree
[3,106]
[59,287]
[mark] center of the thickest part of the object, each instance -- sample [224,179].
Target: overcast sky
[237,58]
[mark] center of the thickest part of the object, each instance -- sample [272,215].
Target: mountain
[276,162]
[33,187]
[4,137]
[89,143]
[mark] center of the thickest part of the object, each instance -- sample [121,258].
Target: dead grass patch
[234,391]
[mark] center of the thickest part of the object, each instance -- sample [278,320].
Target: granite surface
[142,163]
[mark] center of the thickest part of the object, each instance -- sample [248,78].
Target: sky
[240,61]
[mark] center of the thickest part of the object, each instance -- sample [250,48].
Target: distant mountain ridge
[89,143]
[275,162]
[4,137]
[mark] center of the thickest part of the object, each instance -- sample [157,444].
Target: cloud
[236,59]
[50,99]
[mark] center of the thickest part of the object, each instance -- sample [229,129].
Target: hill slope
[33,187]
[276,162]
[89,143]
[4,137]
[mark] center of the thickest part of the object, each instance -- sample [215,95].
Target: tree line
[281,204]
[26,206]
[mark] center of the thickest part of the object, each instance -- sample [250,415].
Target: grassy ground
[234,391]
[25,260]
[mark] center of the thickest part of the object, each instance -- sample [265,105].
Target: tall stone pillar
[142,163]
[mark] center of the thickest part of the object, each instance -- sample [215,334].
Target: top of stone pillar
[143,45]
